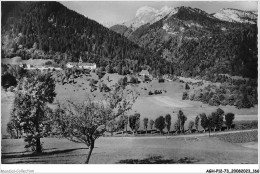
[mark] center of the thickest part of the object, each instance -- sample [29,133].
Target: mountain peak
[145,10]
[234,15]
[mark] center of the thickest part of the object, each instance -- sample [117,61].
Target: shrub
[125,71]
[8,80]
[157,91]
[150,93]
[146,78]
[161,80]
[187,87]
[191,96]
[134,80]
[244,102]
[214,101]
[185,96]
[93,82]
[242,125]
[48,63]
[191,124]
[109,69]
[122,82]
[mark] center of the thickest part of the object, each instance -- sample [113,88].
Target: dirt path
[185,136]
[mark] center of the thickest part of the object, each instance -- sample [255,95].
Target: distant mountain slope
[122,29]
[144,15]
[54,30]
[197,43]
[234,15]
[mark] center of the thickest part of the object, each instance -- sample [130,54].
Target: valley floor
[109,150]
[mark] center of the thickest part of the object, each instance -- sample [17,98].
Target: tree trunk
[17,134]
[38,145]
[91,147]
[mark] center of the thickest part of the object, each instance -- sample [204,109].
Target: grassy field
[195,149]
[148,106]
[201,149]
[155,105]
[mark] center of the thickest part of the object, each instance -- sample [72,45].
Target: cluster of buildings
[81,65]
[41,64]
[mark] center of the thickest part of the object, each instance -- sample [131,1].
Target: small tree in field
[218,118]
[134,122]
[204,121]
[191,124]
[182,119]
[30,113]
[151,123]
[177,126]
[122,123]
[85,122]
[229,117]
[211,123]
[197,119]
[112,126]
[145,120]
[160,123]
[187,87]
[168,122]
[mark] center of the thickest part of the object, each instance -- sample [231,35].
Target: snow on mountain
[143,11]
[233,15]
[145,15]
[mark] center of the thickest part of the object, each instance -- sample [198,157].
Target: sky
[110,13]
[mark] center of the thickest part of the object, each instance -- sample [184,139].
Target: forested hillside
[188,42]
[50,30]
[197,43]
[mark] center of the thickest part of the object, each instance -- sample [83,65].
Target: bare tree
[85,122]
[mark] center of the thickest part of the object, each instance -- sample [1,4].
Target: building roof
[145,72]
[81,64]
[87,64]
[72,63]
[18,60]
[12,61]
